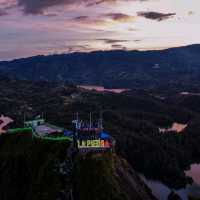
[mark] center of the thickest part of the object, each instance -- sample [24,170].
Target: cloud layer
[38,6]
[30,27]
[3,12]
[156,15]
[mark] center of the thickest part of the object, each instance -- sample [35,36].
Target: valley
[133,118]
[99,100]
[154,123]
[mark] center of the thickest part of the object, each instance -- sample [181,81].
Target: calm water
[102,89]
[161,191]
[175,127]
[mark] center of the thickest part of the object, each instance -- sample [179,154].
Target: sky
[43,27]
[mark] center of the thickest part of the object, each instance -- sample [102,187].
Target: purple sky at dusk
[32,27]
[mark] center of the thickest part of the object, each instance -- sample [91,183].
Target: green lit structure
[32,127]
[34,123]
[19,130]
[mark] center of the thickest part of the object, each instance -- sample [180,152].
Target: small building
[34,123]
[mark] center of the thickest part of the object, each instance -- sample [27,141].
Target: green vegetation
[19,130]
[193,198]
[131,118]
[56,137]
[94,178]
[28,168]
[107,177]
[52,138]
[177,68]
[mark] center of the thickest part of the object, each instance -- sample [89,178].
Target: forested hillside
[132,118]
[130,69]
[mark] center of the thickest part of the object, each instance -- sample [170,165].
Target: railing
[58,138]
[35,135]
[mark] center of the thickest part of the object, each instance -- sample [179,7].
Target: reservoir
[161,191]
[103,89]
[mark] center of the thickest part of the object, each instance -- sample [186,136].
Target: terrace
[47,129]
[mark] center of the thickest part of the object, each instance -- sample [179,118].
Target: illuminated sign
[93,144]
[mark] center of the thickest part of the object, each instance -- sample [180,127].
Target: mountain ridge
[117,68]
[114,50]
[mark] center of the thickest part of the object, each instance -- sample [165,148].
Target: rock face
[28,168]
[34,169]
[107,177]
[131,118]
[130,182]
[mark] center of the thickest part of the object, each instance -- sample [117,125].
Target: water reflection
[161,191]
[102,89]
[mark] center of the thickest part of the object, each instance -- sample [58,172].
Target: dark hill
[132,118]
[33,169]
[135,69]
[28,168]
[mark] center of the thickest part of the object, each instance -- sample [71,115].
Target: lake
[177,127]
[189,94]
[102,89]
[161,191]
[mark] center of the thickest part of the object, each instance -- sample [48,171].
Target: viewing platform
[91,137]
[85,137]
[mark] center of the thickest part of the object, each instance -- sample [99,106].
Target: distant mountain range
[131,69]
